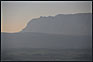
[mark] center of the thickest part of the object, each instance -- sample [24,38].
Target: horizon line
[46,17]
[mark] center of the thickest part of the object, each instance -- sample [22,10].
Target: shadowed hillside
[41,40]
[66,24]
[60,31]
[58,38]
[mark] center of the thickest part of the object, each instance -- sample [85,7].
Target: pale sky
[15,15]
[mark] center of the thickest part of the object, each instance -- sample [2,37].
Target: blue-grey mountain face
[61,31]
[70,24]
[58,38]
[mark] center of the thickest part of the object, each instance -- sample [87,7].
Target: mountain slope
[71,31]
[70,24]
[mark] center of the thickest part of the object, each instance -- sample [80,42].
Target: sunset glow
[15,15]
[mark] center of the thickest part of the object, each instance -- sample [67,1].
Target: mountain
[69,31]
[66,24]
[62,37]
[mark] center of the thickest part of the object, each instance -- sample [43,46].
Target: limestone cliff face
[69,24]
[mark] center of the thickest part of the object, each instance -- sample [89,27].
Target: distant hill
[66,24]
[71,31]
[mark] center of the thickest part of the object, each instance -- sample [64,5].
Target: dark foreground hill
[42,40]
[45,47]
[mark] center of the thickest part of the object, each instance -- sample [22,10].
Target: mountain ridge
[79,23]
[35,38]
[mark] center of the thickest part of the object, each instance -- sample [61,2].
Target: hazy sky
[15,15]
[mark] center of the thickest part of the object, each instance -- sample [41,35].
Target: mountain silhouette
[69,31]
[66,24]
